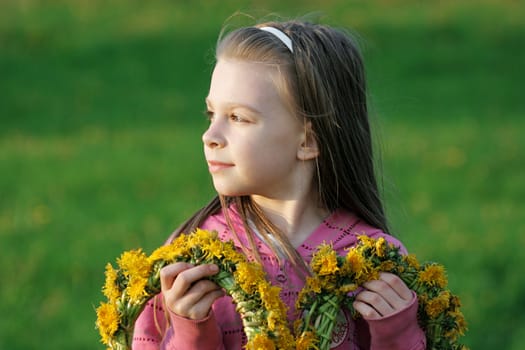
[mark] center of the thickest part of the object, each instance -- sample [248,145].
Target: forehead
[244,82]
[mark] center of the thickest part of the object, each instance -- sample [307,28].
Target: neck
[296,218]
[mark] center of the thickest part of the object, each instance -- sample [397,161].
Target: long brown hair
[323,80]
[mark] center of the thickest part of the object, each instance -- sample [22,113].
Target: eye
[236,118]
[208,114]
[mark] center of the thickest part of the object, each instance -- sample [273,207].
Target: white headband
[279,34]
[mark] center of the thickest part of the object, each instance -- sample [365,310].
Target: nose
[213,137]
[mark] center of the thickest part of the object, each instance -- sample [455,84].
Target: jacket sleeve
[398,331]
[154,332]
[189,334]
[150,326]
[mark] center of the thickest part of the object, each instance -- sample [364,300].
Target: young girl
[290,153]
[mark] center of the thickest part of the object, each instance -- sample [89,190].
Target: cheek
[266,149]
[267,159]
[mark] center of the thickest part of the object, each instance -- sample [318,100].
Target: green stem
[312,311]
[122,340]
[224,279]
[328,317]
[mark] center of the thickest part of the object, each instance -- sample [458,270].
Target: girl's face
[252,145]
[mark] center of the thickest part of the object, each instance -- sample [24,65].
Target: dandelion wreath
[334,277]
[137,279]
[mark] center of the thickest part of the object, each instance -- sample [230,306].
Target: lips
[216,166]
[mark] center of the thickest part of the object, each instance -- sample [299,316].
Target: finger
[388,293]
[186,278]
[368,312]
[169,273]
[383,293]
[375,301]
[397,284]
[198,291]
[201,309]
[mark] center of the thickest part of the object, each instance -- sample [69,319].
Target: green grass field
[100,123]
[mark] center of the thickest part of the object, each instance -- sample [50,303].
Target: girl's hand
[186,291]
[382,297]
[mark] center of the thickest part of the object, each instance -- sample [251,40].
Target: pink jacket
[222,329]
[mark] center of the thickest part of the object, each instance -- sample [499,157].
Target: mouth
[216,166]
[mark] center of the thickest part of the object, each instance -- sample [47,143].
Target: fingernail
[214,268]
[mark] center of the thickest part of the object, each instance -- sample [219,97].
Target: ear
[308,149]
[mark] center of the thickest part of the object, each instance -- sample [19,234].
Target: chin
[231,192]
[228,191]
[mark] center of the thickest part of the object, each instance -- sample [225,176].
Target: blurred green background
[100,122]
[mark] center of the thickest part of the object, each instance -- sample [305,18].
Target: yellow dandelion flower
[433,275]
[270,297]
[451,334]
[201,238]
[459,320]
[273,319]
[134,263]
[329,283]
[324,261]
[355,261]
[297,324]
[438,305]
[347,288]
[361,267]
[412,261]
[107,321]
[301,299]
[169,252]
[314,284]
[423,297]
[260,342]
[366,241]
[136,289]
[380,247]
[110,288]
[285,338]
[455,302]
[214,249]
[330,264]
[459,329]
[231,254]
[136,267]
[461,323]
[307,340]
[387,266]
[249,276]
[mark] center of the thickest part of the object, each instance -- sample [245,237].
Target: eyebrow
[236,105]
